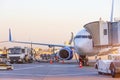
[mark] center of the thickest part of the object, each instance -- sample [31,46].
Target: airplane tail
[10,35]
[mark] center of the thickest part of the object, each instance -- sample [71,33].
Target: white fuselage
[83,43]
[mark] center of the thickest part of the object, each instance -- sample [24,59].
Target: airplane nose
[80,43]
[83,45]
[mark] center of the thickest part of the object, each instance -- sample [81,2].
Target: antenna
[112,9]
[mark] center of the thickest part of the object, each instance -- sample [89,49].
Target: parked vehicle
[110,66]
[19,54]
[4,64]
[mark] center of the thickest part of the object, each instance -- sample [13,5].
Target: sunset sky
[50,21]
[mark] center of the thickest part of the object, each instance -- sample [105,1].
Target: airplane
[83,46]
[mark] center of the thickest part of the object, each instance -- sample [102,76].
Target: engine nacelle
[65,53]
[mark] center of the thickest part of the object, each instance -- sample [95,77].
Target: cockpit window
[84,36]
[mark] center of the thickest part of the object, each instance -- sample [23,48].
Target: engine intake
[65,53]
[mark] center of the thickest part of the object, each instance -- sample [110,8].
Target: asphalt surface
[55,71]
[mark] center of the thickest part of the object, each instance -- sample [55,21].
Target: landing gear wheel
[84,60]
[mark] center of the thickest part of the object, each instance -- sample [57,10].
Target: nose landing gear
[84,60]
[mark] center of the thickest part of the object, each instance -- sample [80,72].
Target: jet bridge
[104,33]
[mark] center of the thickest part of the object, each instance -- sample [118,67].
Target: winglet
[71,39]
[10,36]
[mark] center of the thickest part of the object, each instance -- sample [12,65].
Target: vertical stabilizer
[10,36]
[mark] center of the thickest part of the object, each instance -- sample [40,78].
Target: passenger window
[105,31]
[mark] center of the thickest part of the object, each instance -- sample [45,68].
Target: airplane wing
[49,45]
[35,43]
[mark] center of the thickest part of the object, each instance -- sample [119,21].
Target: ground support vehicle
[110,66]
[4,64]
[19,54]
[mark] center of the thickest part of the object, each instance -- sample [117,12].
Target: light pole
[112,9]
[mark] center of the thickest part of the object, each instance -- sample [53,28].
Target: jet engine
[66,53]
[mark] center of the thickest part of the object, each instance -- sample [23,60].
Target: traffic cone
[62,61]
[80,64]
[51,61]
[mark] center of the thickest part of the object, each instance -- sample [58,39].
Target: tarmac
[54,71]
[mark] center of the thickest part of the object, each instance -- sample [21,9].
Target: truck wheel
[11,62]
[9,69]
[113,72]
[30,60]
[99,72]
[23,61]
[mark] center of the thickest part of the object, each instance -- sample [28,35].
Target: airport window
[105,31]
